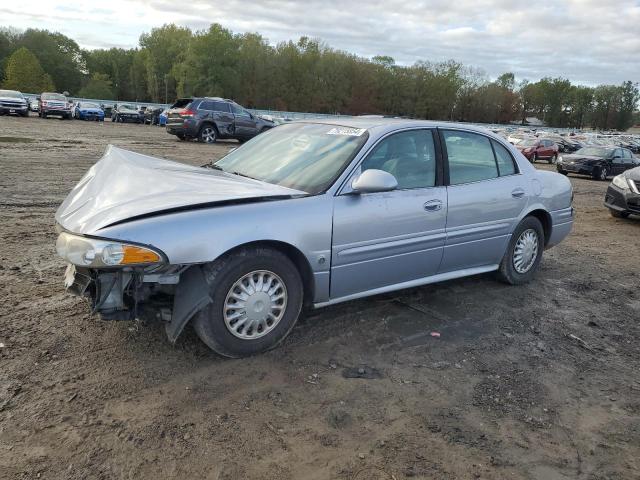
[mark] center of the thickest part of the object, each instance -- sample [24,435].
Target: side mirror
[373,180]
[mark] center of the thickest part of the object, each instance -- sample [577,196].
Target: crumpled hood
[91,110]
[124,184]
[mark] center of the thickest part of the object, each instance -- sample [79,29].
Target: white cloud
[587,41]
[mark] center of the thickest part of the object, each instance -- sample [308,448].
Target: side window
[470,157]
[617,153]
[627,154]
[506,165]
[409,156]
[206,105]
[220,107]
[238,110]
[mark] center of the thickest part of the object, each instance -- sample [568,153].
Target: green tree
[59,55]
[25,73]
[98,87]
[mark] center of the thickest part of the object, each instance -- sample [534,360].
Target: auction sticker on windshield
[352,132]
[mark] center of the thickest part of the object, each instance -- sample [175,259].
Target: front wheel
[601,173]
[256,297]
[534,157]
[617,214]
[553,159]
[524,253]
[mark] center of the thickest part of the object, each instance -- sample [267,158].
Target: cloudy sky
[587,41]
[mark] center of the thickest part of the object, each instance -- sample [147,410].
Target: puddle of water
[16,140]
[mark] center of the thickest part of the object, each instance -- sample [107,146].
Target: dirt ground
[506,391]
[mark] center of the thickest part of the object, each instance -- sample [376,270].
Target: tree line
[304,75]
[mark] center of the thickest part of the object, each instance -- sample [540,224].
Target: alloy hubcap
[526,251]
[209,135]
[255,304]
[603,174]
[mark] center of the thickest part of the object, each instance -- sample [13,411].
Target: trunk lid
[124,185]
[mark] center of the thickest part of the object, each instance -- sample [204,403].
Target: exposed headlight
[91,252]
[621,182]
[559,159]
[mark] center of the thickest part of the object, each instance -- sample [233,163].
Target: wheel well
[545,220]
[204,124]
[295,255]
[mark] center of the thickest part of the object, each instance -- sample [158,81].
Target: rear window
[182,103]
[54,96]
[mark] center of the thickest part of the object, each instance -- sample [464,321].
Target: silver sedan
[310,213]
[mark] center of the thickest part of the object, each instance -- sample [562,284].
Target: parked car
[597,162]
[13,102]
[623,195]
[55,104]
[152,115]
[208,119]
[315,212]
[34,104]
[89,111]
[538,149]
[126,113]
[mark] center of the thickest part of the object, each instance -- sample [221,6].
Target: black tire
[534,157]
[617,214]
[553,159]
[113,118]
[181,137]
[600,173]
[208,133]
[563,172]
[221,275]
[44,115]
[507,271]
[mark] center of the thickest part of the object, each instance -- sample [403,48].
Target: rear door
[219,113]
[486,194]
[628,159]
[389,238]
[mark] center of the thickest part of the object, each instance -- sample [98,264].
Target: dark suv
[210,118]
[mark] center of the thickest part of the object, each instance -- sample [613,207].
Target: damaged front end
[125,281]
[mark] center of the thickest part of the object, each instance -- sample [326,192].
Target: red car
[538,149]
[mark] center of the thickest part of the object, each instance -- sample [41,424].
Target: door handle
[517,193]
[433,205]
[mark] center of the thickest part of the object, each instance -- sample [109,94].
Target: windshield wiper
[213,166]
[242,175]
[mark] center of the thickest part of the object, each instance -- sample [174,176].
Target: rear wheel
[208,134]
[524,253]
[181,137]
[256,300]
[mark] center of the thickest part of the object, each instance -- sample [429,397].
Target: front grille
[10,104]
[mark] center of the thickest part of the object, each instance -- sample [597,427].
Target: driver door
[245,122]
[389,238]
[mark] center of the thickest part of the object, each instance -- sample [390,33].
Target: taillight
[185,112]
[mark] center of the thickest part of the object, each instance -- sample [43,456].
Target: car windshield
[528,142]
[302,156]
[127,107]
[594,151]
[54,96]
[89,105]
[10,94]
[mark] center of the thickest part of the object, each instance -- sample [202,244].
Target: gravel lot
[505,392]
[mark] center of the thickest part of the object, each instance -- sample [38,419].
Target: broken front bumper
[123,294]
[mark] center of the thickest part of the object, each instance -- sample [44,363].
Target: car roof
[380,125]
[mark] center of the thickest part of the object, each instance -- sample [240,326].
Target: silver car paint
[381,241]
